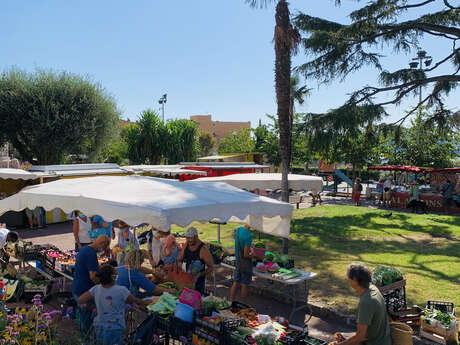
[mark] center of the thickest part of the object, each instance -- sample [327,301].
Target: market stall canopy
[454,170]
[78,169]
[160,202]
[17,174]
[267,181]
[397,168]
[163,169]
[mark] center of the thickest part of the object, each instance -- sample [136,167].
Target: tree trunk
[283,93]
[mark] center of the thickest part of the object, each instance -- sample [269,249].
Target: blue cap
[98,219]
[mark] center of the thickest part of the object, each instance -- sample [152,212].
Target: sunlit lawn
[326,239]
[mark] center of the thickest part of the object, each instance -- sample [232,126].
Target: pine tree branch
[415,5]
[450,6]
[411,84]
[401,120]
[443,60]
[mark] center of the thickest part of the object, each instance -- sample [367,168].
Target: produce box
[444,306]
[409,316]
[179,329]
[307,340]
[394,295]
[217,253]
[35,287]
[439,334]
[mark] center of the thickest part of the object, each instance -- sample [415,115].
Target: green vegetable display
[165,305]
[259,244]
[385,275]
[443,318]
[215,302]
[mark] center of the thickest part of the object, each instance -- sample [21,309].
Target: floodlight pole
[418,63]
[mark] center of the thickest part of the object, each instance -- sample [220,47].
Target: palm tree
[286,40]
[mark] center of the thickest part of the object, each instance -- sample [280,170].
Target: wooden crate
[439,335]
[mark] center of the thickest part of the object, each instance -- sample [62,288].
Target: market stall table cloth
[267,181]
[156,201]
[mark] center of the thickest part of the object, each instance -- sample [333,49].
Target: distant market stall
[270,181]
[11,182]
[430,190]
[159,202]
[168,171]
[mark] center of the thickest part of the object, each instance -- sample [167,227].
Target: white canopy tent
[160,202]
[162,169]
[267,181]
[17,174]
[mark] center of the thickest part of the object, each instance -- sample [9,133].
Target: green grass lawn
[326,239]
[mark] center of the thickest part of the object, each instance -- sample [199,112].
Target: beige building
[218,129]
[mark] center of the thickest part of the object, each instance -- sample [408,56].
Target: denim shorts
[242,278]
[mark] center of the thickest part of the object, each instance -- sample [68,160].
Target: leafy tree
[47,115]
[152,140]
[268,142]
[339,49]
[131,135]
[349,134]
[207,143]
[116,151]
[423,144]
[237,142]
[182,141]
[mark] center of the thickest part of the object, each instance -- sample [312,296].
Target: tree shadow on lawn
[373,222]
[327,245]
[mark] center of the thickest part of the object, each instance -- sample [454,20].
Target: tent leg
[218,233]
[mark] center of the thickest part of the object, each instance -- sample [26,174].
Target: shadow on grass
[373,223]
[326,245]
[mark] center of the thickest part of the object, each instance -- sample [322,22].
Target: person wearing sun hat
[197,257]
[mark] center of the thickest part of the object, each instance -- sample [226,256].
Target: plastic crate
[288,266]
[395,295]
[163,322]
[294,337]
[307,340]
[238,306]
[227,328]
[180,330]
[444,306]
[44,290]
[259,253]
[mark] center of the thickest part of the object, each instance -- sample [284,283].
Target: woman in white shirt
[81,228]
[155,246]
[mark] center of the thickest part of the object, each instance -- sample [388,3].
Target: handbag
[243,265]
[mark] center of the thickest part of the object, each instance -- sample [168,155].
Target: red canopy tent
[397,168]
[446,170]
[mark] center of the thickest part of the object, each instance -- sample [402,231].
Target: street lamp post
[162,101]
[417,62]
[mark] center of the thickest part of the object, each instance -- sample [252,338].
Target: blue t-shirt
[245,238]
[96,232]
[133,280]
[110,303]
[86,261]
[171,259]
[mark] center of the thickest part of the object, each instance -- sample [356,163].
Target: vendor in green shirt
[373,324]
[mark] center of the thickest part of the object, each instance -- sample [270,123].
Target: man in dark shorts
[243,257]
[373,325]
[197,254]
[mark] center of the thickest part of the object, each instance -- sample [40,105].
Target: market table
[304,279]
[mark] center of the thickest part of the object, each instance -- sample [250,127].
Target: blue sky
[210,56]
